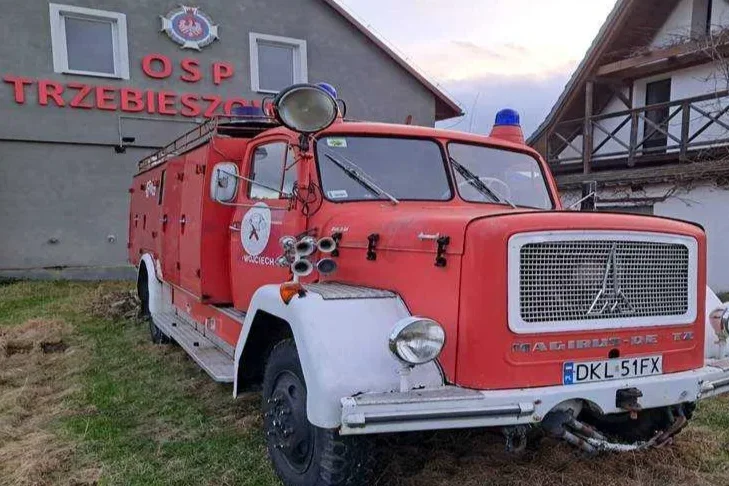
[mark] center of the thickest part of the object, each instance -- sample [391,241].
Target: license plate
[611,369]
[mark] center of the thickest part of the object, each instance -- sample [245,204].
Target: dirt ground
[85,399]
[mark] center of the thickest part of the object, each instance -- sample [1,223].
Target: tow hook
[516,438]
[627,399]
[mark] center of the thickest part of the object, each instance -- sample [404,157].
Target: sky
[490,54]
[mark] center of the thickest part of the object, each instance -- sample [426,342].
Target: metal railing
[674,129]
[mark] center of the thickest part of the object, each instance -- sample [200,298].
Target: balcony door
[656,93]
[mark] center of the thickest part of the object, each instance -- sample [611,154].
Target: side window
[268,170]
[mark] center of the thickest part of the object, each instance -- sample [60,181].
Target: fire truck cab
[382,278]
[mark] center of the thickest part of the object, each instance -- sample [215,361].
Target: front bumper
[451,407]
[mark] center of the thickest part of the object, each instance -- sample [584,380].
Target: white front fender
[715,345]
[342,345]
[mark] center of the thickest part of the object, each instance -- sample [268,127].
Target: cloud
[460,60]
[482,97]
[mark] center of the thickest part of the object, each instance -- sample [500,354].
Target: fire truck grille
[600,279]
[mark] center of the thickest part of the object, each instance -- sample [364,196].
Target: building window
[89,42]
[276,62]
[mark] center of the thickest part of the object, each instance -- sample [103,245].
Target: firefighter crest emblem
[255,229]
[190,27]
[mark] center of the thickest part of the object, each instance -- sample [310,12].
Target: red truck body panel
[182,226]
[201,254]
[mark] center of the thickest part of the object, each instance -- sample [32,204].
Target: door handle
[425,237]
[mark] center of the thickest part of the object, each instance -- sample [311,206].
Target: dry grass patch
[37,370]
[106,303]
[474,458]
[86,399]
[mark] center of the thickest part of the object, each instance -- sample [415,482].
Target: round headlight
[416,340]
[306,108]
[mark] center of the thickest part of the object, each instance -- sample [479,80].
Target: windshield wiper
[358,175]
[478,184]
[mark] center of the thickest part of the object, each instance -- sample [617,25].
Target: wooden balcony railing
[675,130]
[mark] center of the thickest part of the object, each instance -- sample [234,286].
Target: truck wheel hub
[289,426]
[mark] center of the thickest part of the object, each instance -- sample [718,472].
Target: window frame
[252,170]
[300,63]
[120,45]
[539,163]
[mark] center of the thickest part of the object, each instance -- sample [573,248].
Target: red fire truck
[378,278]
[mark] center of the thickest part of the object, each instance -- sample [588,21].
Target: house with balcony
[646,116]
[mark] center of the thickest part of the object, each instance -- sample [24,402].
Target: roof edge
[607,27]
[447,103]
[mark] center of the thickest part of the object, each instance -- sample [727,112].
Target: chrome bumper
[451,407]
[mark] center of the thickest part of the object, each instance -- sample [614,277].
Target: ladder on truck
[237,126]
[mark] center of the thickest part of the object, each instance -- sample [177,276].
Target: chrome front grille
[600,279]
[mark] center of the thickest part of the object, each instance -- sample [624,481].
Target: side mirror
[589,196]
[224,182]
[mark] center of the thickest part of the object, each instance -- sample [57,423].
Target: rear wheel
[158,337]
[303,454]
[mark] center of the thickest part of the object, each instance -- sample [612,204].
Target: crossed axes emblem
[257,222]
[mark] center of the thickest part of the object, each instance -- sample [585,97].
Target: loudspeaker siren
[326,244]
[326,266]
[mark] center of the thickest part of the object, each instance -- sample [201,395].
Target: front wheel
[303,454]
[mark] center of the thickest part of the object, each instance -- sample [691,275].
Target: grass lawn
[86,399]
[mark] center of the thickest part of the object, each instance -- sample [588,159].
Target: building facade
[646,115]
[90,87]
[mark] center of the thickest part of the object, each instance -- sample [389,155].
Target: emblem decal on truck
[616,302]
[255,230]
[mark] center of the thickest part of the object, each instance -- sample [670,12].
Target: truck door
[172,177]
[264,215]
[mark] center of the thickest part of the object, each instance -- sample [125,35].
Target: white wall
[688,83]
[704,203]
[720,14]
[614,106]
[685,83]
[677,26]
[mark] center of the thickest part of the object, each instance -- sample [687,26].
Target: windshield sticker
[340,194]
[337,143]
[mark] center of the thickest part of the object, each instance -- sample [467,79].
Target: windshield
[355,168]
[512,176]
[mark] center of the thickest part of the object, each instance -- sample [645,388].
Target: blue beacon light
[508,118]
[507,127]
[329,89]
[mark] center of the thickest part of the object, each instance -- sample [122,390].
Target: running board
[216,363]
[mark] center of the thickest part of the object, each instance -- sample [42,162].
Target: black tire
[303,454]
[158,337]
